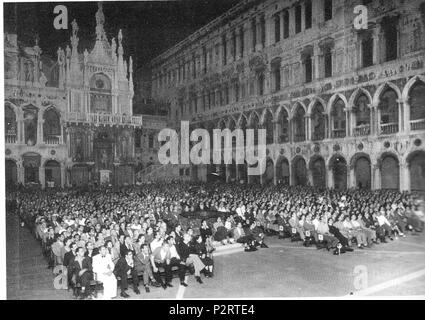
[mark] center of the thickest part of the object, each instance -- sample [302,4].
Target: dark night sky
[149,28]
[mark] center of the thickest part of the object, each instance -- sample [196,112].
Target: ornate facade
[342,107]
[70,121]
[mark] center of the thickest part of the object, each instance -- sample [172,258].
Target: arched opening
[388,110]
[11,173]
[417,106]
[299,124]
[299,171]
[232,171]
[283,126]
[339,121]
[31,162]
[338,165]
[362,171]
[51,127]
[124,175]
[52,172]
[30,124]
[242,173]
[79,175]
[362,117]
[268,125]
[318,170]
[282,171]
[194,172]
[268,175]
[254,179]
[10,127]
[318,122]
[390,172]
[417,171]
[254,124]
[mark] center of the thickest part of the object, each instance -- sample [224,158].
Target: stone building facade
[343,107]
[70,121]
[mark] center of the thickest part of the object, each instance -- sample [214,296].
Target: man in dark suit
[69,259]
[143,264]
[91,251]
[124,268]
[127,246]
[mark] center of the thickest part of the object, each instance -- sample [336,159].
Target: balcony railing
[362,130]
[338,133]
[104,118]
[52,140]
[389,128]
[10,138]
[299,138]
[417,124]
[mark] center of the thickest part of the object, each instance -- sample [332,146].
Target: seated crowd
[109,234]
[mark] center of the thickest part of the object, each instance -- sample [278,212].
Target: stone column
[307,123]
[401,111]
[404,177]
[291,176]
[20,130]
[258,31]
[20,172]
[41,176]
[40,122]
[329,178]
[274,174]
[238,43]
[376,51]
[229,41]
[316,61]
[376,177]
[63,175]
[406,118]
[351,183]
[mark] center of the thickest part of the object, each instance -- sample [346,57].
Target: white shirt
[173,252]
[382,220]
[102,264]
[155,244]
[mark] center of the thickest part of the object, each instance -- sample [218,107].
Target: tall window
[275,67]
[391,38]
[234,46]
[308,14]
[276,28]
[308,68]
[236,91]
[242,42]
[298,19]
[261,84]
[367,52]
[328,62]
[254,34]
[226,95]
[328,9]
[223,41]
[263,31]
[285,24]
[338,119]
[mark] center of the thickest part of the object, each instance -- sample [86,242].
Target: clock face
[100,84]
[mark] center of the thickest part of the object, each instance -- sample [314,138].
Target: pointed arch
[334,98]
[382,88]
[410,84]
[357,93]
[313,103]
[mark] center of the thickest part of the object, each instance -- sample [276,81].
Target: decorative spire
[120,49]
[100,20]
[114,49]
[74,41]
[130,76]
